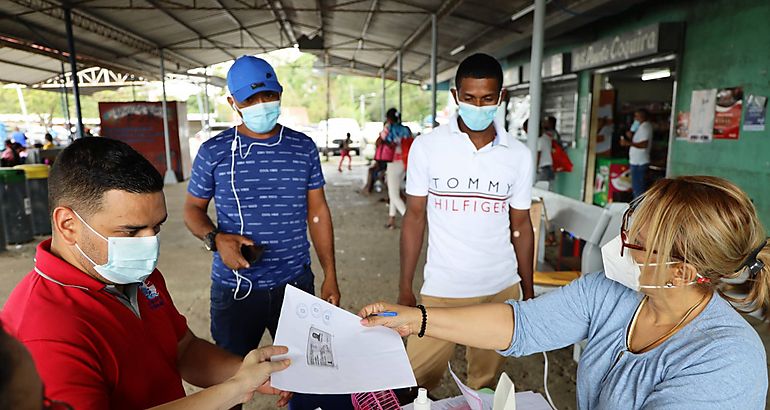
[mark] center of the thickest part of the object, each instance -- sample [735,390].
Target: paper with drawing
[331,353]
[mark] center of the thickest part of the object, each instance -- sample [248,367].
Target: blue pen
[385,314]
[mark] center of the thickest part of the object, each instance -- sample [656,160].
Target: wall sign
[756,109]
[628,46]
[727,118]
[553,65]
[702,106]
[682,124]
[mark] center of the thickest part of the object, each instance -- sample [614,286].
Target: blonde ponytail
[758,297]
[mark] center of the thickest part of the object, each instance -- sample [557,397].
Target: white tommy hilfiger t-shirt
[469,195]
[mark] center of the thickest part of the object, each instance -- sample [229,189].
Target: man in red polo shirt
[95,313]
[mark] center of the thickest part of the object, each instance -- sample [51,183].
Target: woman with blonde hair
[660,331]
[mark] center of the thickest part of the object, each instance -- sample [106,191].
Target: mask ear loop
[89,226]
[92,230]
[699,280]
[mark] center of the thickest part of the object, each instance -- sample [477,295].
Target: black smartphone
[252,253]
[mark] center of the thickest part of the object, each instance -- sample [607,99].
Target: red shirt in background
[91,350]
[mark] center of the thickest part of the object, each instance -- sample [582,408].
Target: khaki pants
[429,356]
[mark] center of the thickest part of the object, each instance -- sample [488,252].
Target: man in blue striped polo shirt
[267,186]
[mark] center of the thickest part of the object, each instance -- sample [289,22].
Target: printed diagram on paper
[319,348]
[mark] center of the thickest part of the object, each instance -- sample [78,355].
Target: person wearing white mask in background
[470,183]
[660,332]
[95,314]
[639,141]
[267,185]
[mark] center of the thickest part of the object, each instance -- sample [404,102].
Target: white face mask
[129,260]
[624,270]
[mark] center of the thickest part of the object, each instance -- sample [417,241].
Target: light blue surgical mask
[260,118]
[478,118]
[635,126]
[129,259]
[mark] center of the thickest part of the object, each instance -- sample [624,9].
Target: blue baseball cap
[250,75]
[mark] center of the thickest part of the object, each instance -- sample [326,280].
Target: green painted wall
[725,45]
[728,44]
[571,183]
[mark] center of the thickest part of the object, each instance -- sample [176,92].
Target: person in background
[470,184]
[549,128]
[49,144]
[345,153]
[661,331]
[19,137]
[9,157]
[639,141]
[377,170]
[21,152]
[394,133]
[544,159]
[95,313]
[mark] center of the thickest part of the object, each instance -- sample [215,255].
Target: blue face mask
[260,118]
[478,118]
[635,126]
[129,260]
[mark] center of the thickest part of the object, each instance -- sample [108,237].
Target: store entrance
[623,92]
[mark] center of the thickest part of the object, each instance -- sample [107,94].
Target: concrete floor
[367,266]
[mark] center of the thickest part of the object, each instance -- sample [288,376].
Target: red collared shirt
[90,348]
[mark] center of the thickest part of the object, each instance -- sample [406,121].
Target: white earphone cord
[236,144]
[545,381]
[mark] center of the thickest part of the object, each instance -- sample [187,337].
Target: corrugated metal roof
[361,36]
[17,66]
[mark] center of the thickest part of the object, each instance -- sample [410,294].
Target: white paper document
[475,400]
[332,353]
[702,106]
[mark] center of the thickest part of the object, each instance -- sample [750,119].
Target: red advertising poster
[620,179]
[140,125]
[727,116]
[682,125]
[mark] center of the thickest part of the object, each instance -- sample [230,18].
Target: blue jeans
[238,325]
[639,179]
[545,173]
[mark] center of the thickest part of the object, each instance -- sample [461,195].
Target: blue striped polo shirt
[272,180]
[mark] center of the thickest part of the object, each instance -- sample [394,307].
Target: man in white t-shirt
[639,139]
[544,159]
[470,183]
